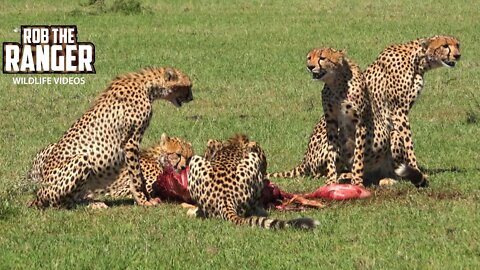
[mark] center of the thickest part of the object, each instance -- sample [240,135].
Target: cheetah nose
[310,67]
[457,56]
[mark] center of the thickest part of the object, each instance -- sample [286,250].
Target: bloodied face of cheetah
[171,151]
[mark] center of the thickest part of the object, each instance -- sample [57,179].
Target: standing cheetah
[106,137]
[228,181]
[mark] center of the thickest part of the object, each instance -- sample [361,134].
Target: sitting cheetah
[228,181]
[345,104]
[170,150]
[106,137]
[396,79]
[355,127]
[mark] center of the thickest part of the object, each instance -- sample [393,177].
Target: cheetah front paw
[331,180]
[357,181]
[345,178]
[385,182]
[97,205]
[151,202]
[35,203]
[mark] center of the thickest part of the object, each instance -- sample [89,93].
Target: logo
[48,49]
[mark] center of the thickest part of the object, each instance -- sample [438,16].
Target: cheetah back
[229,183]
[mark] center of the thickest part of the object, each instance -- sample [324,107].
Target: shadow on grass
[453,169]
[386,193]
[108,202]
[7,209]
[120,202]
[131,202]
[409,195]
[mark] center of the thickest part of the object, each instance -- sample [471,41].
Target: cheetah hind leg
[194,211]
[404,170]
[87,198]
[68,177]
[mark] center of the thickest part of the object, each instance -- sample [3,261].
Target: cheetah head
[323,62]
[212,147]
[173,151]
[178,85]
[441,51]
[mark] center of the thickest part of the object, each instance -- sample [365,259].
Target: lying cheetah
[228,181]
[170,150]
[106,138]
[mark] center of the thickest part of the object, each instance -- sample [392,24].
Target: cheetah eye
[322,58]
[174,155]
[309,58]
[445,46]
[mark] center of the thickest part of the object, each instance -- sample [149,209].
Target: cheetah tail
[268,223]
[300,170]
[414,175]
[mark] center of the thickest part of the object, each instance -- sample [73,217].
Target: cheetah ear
[170,75]
[213,143]
[425,42]
[252,144]
[164,138]
[341,55]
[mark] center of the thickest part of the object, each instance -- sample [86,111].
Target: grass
[246,59]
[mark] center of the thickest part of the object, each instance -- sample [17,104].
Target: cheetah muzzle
[449,64]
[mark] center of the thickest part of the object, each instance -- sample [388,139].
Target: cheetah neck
[421,61]
[341,77]
[421,64]
[156,91]
[153,153]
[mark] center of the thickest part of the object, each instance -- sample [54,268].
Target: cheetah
[345,103]
[354,126]
[107,137]
[227,182]
[171,150]
[396,79]
[36,171]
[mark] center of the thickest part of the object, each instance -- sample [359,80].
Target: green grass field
[246,59]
